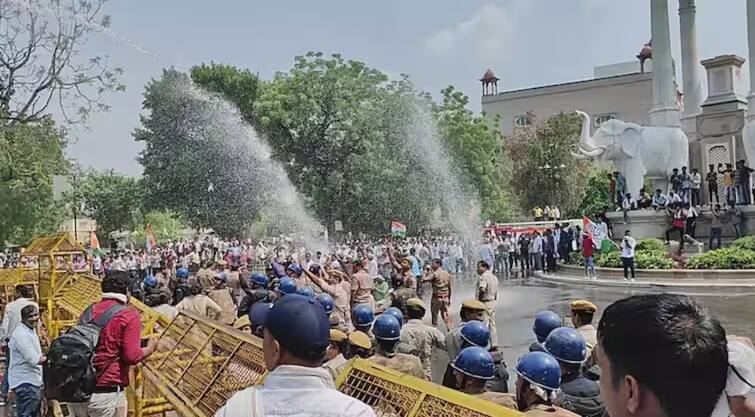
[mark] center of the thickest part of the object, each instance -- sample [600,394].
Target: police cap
[415,303]
[473,305]
[337,336]
[300,325]
[583,305]
[360,339]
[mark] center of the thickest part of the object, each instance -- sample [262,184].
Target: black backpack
[69,374]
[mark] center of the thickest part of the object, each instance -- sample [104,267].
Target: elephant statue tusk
[588,153]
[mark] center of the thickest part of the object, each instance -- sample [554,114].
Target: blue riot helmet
[566,345]
[545,322]
[295,268]
[327,302]
[476,333]
[541,369]
[386,327]
[260,279]
[182,273]
[257,315]
[476,362]
[286,285]
[150,281]
[395,312]
[306,291]
[220,276]
[363,315]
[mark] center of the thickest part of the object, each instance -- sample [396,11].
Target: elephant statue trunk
[586,147]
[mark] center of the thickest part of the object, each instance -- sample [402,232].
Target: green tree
[478,154]
[166,225]
[597,195]
[199,158]
[544,172]
[30,154]
[239,86]
[113,200]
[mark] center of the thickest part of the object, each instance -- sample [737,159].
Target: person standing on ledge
[696,179]
[296,337]
[627,254]
[712,178]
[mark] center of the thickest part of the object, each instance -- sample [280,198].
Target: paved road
[519,300]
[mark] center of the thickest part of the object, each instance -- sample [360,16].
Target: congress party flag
[94,243]
[149,236]
[599,234]
[398,229]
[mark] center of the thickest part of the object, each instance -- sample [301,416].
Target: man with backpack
[117,348]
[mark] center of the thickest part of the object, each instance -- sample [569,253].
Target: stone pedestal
[651,223]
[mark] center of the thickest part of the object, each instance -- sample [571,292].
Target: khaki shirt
[419,339]
[410,281]
[453,342]
[487,287]
[441,283]
[342,311]
[206,278]
[500,398]
[590,335]
[201,305]
[401,362]
[222,297]
[361,289]
[542,410]
[335,365]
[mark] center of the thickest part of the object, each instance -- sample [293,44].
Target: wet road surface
[519,300]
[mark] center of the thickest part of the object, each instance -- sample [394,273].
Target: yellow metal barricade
[200,363]
[391,393]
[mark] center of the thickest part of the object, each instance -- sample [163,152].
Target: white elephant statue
[635,151]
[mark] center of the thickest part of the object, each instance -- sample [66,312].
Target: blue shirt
[25,353]
[416,270]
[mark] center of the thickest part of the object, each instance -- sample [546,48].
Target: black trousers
[713,192]
[674,229]
[628,265]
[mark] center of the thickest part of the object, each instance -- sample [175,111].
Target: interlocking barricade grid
[202,363]
[391,393]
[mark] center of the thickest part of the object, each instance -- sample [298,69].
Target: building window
[600,118]
[522,120]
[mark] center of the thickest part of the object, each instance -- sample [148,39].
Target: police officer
[330,284]
[401,294]
[472,368]
[360,345]
[296,273]
[151,287]
[470,310]
[334,356]
[387,334]
[582,312]
[442,285]
[539,378]
[327,303]
[578,394]
[361,285]
[223,297]
[419,339]
[256,293]
[545,322]
[306,291]
[257,315]
[487,293]
[181,287]
[286,285]
[362,318]
[471,333]
[395,312]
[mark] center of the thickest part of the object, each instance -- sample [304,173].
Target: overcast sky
[437,42]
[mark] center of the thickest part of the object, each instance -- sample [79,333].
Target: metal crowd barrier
[200,364]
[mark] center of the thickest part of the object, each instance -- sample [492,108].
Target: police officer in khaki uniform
[334,356]
[360,345]
[206,276]
[472,368]
[539,379]
[403,268]
[361,286]
[387,333]
[199,304]
[223,297]
[441,298]
[470,310]
[582,312]
[487,293]
[330,284]
[419,339]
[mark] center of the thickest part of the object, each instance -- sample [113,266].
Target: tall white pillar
[665,111]
[692,85]
[751,58]
[748,132]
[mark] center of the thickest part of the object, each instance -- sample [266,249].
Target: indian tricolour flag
[599,234]
[398,229]
[94,243]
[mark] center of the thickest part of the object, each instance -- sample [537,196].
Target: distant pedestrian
[627,254]
[715,227]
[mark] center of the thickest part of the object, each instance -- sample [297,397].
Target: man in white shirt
[11,320]
[296,336]
[537,251]
[25,367]
[627,254]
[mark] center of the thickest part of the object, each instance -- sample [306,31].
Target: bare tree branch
[41,45]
